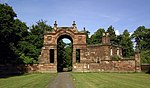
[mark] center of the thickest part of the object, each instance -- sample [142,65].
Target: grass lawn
[111,80]
[26,81]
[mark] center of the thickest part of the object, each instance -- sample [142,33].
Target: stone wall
[106,66]
[20,69]
[96,53]
[43,68]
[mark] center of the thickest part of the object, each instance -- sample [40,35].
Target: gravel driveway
[62,80]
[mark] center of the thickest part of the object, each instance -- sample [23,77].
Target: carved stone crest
[49,38]
[80,37]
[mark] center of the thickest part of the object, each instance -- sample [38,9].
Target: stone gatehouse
[93,58]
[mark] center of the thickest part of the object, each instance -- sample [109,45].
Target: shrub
[115,57]
[27,60]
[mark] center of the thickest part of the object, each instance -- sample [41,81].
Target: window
[77,55]
[117,51]
[51,55]
[111,52]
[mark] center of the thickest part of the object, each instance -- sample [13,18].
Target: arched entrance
[49,50]
[64,54]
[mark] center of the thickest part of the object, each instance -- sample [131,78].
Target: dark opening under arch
[64,62]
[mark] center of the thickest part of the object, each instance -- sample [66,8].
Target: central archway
[64,53]
[49,54]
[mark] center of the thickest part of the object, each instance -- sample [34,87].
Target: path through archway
[64,53]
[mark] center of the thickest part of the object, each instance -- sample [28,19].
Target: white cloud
[90,35]
[131,33]
[66,40]
[117,32]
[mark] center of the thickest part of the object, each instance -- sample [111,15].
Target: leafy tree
[145,56]
[64,55]
[38,30]
[60,55]
[127,44]
[21,34]
[68,56]
[35,40]
[96,38]
[12,37]
[30,46]
[26,59]
[8,36]
[142,38]
[28,51]
[112,35]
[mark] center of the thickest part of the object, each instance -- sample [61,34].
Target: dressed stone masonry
[93,58]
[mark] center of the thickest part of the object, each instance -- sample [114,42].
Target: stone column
[55,56]
[106,55]
[81,55]
[137,60]
[74,56]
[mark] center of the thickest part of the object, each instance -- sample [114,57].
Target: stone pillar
[120,49]
[55,25]
[74,56]
[106,53]
[137,60]
[74,59]
[83,59]
[105,38]
[74,24]
[55,56]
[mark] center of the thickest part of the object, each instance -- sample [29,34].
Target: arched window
[111,52]
[117,51]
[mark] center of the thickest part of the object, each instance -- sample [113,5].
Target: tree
[127,44]
[96,38]
[145,56]
[30,46]
[7,34]
[68,56]
[17,43]
[142,38]
[60,55]
[21,32]
[12,35]
[112,35]
[38,30]
[35,40]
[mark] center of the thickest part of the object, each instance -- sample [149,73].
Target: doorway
[64,53]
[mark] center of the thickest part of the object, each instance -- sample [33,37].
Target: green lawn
[26,81]
[111,80]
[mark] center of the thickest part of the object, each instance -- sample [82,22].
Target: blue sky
[91,14]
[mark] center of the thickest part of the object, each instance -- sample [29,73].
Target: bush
[115,57]
[27,60]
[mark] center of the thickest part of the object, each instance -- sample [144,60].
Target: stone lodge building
[93,58]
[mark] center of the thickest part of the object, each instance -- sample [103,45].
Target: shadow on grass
[11,70]
[148,72]
[10,75]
